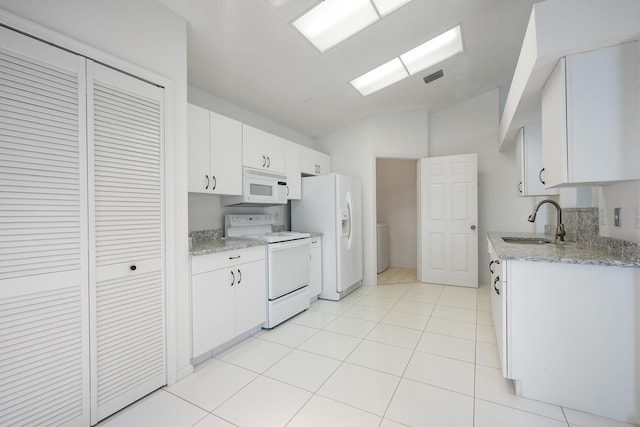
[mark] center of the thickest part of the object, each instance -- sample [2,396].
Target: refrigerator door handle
[350,213]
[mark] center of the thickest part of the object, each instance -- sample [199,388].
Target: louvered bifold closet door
[125,127]
[44,375]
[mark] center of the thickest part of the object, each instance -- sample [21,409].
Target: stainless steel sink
[527,240]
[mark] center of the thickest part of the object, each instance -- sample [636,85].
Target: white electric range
[288,264]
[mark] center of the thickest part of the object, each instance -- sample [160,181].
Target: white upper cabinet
[294,180]
[556,29]
[313,162]
[531,171]
[215,153]
[590,118]
[262,150]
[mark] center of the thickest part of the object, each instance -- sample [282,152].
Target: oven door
[288,266]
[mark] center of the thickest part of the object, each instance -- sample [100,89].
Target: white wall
[472,127]
[625,195]
[353,151]
[137,36]
[396,197]
[213,103]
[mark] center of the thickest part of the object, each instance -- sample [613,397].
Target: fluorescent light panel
[385,7]
[436,50]
[333,21]
[382,76]
[433,51]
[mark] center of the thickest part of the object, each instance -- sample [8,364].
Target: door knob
[473,227]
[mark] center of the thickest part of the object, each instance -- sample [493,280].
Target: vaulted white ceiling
[248,53]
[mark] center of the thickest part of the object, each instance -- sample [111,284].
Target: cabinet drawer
[210,262]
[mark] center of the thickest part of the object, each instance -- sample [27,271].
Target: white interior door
[448,220]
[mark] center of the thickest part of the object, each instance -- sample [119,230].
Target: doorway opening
[396,216]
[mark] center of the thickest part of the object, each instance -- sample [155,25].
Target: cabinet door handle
[239,276]
[215,182]
[287,191]
[540,177]
[233,278]
[520,187]
[491,264]
[264,161]
[206,187]
[133,267]
[495,281]
[268,161]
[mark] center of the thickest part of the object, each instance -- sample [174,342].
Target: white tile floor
[408,354]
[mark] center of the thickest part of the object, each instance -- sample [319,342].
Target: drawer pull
[234,257]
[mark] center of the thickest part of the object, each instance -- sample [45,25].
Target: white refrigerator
[332,204]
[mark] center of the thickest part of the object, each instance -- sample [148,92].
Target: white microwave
[259,188]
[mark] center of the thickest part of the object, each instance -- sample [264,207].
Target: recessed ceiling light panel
[433,51]
[333,21]
[417,59]
[380,77]
[385,7]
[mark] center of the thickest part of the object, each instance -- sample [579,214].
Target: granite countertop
[222,245]
[563,252]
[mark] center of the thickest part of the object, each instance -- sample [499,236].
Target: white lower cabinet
[566,333]
[498,283]
[229,296]
[315,285]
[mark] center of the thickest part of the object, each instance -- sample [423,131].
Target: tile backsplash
[582,227]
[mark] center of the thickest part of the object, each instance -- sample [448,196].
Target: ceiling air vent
[434,76]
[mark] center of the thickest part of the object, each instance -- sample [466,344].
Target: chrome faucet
[560,233]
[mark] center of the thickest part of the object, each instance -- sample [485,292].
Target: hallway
[397,275]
